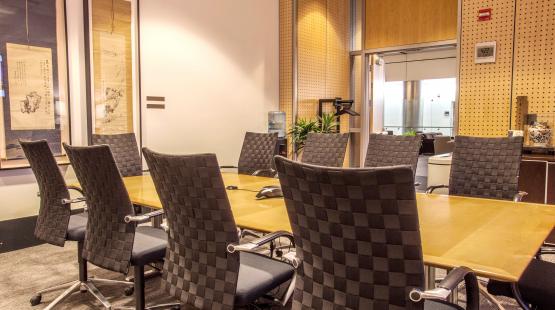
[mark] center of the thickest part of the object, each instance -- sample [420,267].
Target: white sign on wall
[485,52]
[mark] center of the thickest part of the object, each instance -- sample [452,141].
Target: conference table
[495,238]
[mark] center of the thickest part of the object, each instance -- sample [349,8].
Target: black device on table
[271,191]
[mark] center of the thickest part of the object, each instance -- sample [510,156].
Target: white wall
[435,64]
[217,64]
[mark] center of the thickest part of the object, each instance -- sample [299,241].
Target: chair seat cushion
[551,237]
[259,275]
[77,227]
[149,245]
[440,305]
[537,284]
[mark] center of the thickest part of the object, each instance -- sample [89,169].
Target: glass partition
[33,78]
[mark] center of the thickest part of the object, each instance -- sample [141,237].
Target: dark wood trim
[88,64]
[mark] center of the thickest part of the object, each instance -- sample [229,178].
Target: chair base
[74,286]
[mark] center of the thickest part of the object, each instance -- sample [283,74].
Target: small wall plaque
[485,52]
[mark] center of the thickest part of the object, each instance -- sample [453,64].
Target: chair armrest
[77,189]
[547,249]
[446,287]
[432,188]
[518,197]
[252,245]
[259,171]
[228,167]
[143,217]
[74,200]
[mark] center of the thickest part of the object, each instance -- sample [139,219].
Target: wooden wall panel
[534,61]
[286,62]
[402,22]
[485,89]
[323,54]
[323,38]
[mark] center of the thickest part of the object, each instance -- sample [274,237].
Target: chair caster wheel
[35,300]
[129,291]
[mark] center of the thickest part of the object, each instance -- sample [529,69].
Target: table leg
[430,277]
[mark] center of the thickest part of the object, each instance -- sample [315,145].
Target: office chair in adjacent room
[489,168]
[257,154]
[55,223]
[113,241]
[204,266]
[386,150]
[325,149]
[357,239]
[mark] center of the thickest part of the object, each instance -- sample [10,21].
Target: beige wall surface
[218,70]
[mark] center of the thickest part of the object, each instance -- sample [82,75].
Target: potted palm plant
[327,123]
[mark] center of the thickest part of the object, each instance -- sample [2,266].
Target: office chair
[485,168]
[357,239]
[489,168]
[443,145]
[126,154]
[257,154]
[325,149]
[55,224]
[125,151]
[198,268]
[113,241]
[385,150]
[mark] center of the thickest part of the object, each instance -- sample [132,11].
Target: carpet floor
[23,272]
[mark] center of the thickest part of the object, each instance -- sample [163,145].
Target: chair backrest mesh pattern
[53,215]
[325,149]
[125,151]
[257,152]
[197,269]
[109,240]
[388,150]
[486,167]
[357,234]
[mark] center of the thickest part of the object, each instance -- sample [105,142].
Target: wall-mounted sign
[484,14]
[485,52]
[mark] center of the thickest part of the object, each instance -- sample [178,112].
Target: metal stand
[84,284]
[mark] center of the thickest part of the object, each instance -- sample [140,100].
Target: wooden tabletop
[497,239]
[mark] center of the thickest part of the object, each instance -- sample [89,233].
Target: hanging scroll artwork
[111,97]
[31,87]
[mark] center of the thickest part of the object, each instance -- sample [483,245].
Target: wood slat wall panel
[534,68]
[485,89]
[323,36]
[286,62]
[403,22]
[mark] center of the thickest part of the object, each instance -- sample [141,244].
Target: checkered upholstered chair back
[325,149]
[357,234]
[109,240]
[53,216]
[387,150]
[485,167]
[197,268]
[125,151]
[257,152]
